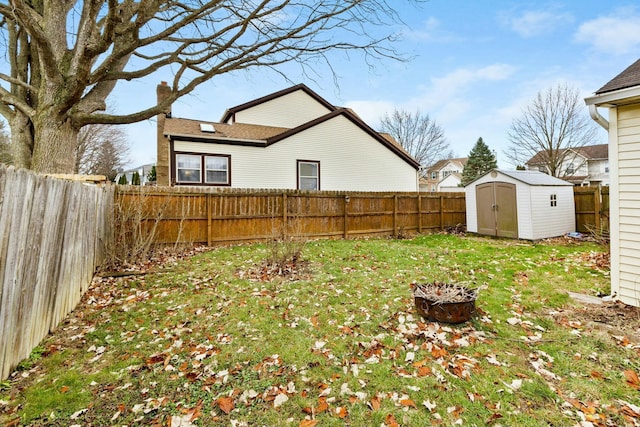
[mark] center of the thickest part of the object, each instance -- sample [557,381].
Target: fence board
[231,215]
[52,235]
[592,209]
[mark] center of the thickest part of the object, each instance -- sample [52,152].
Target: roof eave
[615,98]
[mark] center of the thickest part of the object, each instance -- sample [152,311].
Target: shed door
[497,210]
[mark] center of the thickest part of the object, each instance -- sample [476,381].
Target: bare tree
[550,130]
[421,136]
[66,56]
[101,150]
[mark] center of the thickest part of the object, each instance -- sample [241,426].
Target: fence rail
[51,233]
[187,216]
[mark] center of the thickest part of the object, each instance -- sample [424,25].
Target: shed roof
[533,178]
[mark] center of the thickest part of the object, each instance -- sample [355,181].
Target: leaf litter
[179,374]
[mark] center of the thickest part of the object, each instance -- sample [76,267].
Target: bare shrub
[134,228]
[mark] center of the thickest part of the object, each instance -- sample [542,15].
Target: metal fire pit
[442,302]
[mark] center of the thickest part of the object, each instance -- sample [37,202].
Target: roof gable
[460,162]
[351,116]
[229,113]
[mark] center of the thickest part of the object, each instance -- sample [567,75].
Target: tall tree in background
[552,124]
[66,56]
[101,150]
[418,134]
[481,160]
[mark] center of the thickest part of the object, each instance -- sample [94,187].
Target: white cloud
[430,32]
[533,23]
[617,33]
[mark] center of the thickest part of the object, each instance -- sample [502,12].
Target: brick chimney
[163,91]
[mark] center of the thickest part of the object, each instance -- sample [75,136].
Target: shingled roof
[590,152]
[238,131]
[628,78]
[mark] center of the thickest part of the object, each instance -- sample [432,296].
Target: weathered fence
[227,216]
[51,233]
[592,209]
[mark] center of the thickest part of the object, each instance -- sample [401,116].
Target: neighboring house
[291,139]
[621,96]
[584,166]
[143,171]
[444,175]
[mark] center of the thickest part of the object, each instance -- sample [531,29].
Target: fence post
[346,217]
[284,215]
[441,212]
[209,221]
[419,213]
[395,215]
[596,207]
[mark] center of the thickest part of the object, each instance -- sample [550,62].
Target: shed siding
[628,160]
[288,111]
[349,160]
[548,221]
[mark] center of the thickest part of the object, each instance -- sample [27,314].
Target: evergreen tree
[151,176]
[123,180]
[481,160]
[135,178]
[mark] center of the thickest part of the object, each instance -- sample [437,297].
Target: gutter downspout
[597,117]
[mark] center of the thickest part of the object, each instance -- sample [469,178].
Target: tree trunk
[21,140]
[54,149]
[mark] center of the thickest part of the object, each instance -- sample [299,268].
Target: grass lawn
[204,341]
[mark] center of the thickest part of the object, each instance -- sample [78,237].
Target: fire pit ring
[445,302]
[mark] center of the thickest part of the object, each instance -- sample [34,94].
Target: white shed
[520,204]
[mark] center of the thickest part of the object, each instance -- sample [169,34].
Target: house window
[570,169]
[542,169]
[554,200]
[216,170]
[203,169]
[308,175]
[434,175]
[446,173]
[433,188]
[188,167]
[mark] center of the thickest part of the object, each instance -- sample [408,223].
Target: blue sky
[475,65]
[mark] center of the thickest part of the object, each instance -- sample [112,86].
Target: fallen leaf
[390,421]
[341,412]
[280,400]
[308,423]
[374,403]
[408,403]
[225,404]
[632,379]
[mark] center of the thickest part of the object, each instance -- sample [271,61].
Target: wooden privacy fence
[227,216]
[51,235]
[592,209]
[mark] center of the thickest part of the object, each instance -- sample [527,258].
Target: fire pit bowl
[445,302]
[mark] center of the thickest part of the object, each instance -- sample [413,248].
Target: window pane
[216,177]
[188,162]
[308,183]
[189,175]
[308,169]
[217,163]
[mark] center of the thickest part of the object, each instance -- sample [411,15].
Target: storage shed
[520,204]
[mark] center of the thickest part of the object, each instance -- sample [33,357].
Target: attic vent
[206,127]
